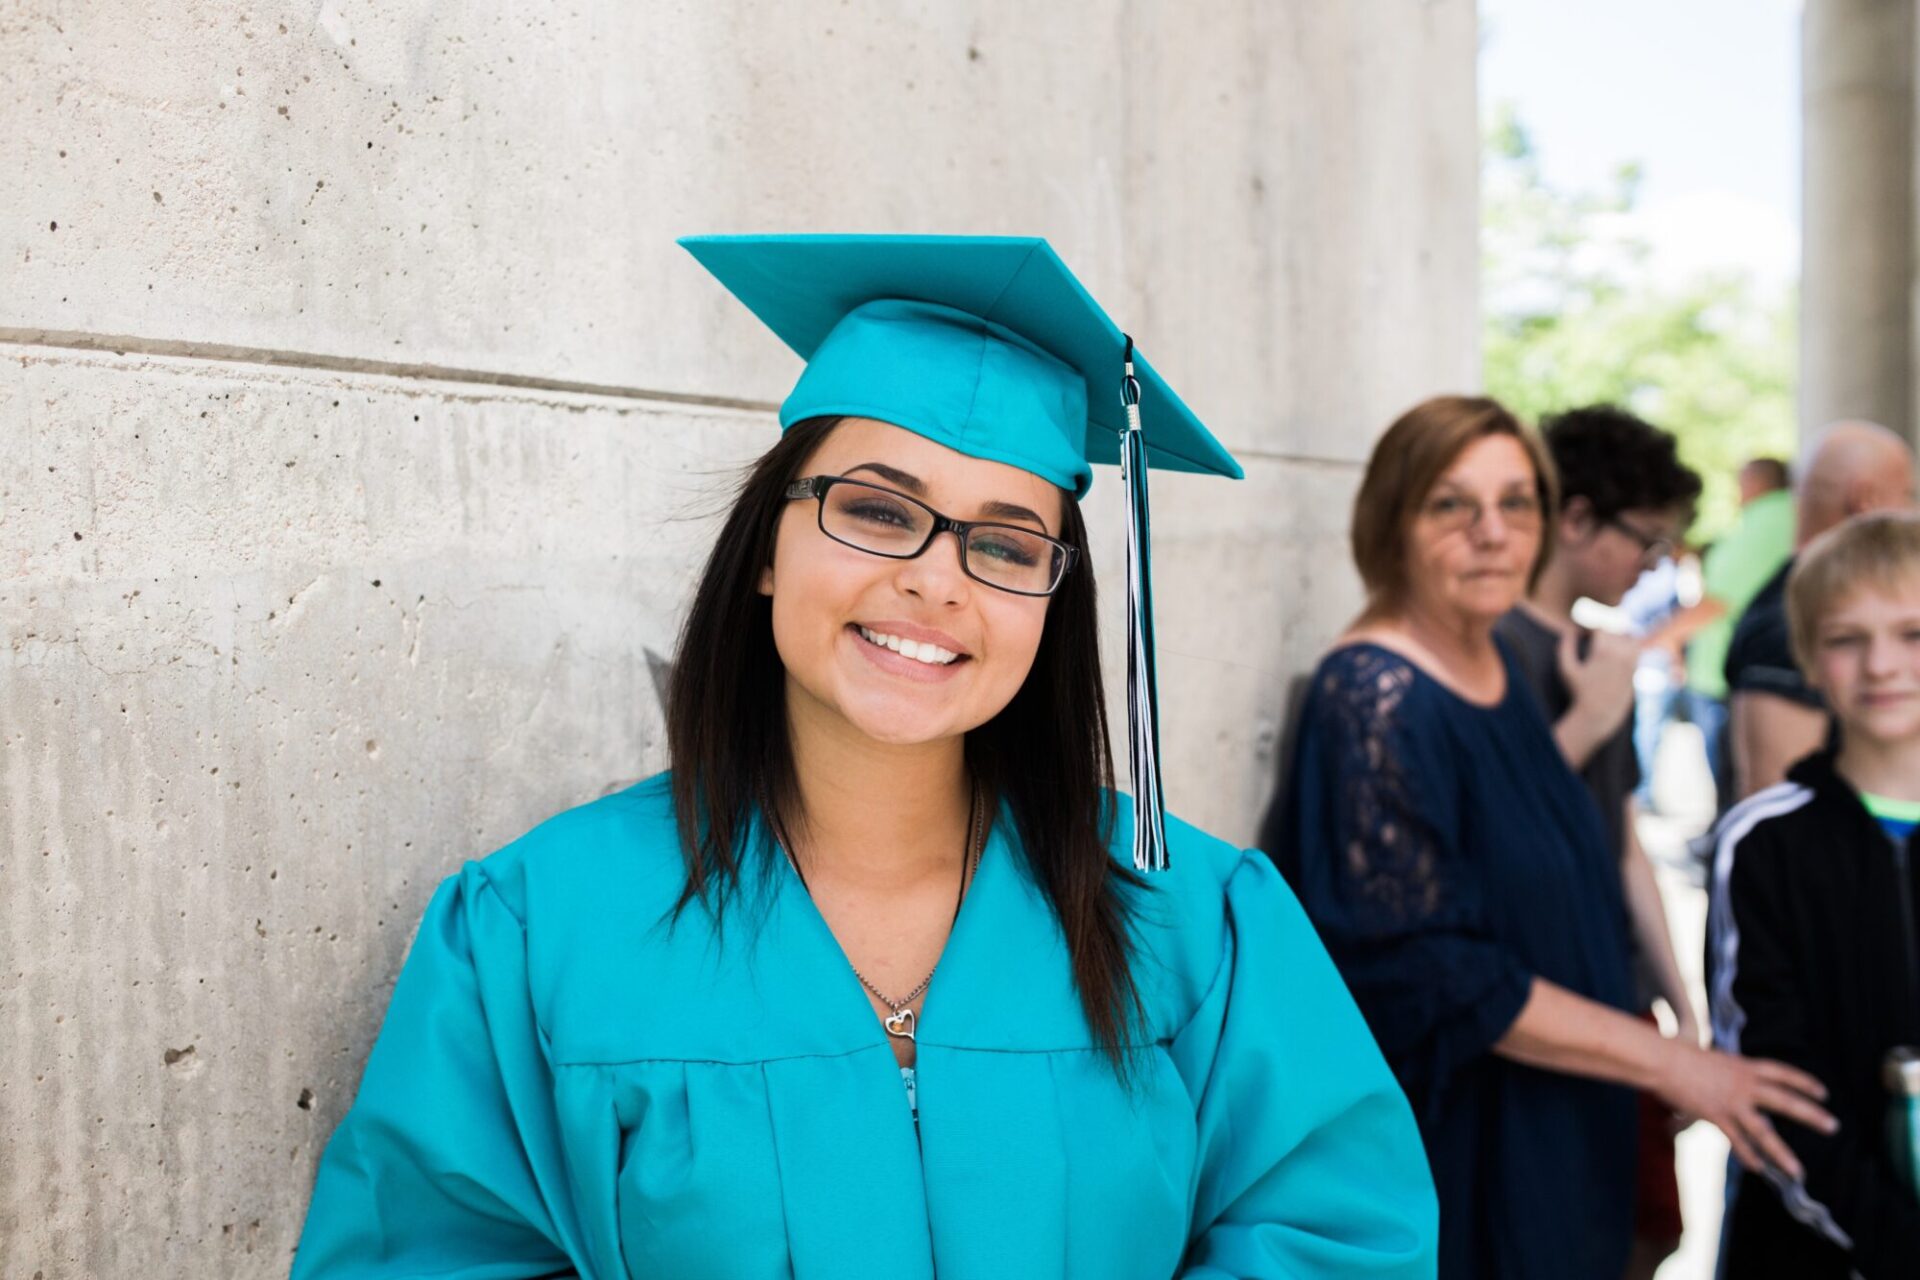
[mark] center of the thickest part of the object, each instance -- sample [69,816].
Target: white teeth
[919,650]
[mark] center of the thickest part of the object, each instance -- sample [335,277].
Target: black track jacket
[1811,959]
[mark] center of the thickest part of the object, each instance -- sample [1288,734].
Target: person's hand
[1670,648]
[1735,1093]
[1687,1031]
[1601,684]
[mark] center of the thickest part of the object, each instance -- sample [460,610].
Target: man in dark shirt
[1625,498]
[1759,656]
[1775,716]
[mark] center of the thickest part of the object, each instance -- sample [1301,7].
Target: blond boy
[1814,958]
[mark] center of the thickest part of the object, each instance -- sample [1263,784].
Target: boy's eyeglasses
[1654,547]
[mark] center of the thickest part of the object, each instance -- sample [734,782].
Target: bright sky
[1704,94]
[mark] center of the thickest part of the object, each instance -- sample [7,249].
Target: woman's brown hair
[1046,754]
[1406,464]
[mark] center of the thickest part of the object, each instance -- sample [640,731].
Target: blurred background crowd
[1545,683]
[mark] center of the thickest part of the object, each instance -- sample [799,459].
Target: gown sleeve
[1370,844]
[449,1164]
[1310,1164]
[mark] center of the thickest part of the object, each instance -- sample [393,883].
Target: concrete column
[1857,356]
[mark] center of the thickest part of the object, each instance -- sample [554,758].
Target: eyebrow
[1461,486]
[893,475]
[1012,511]
[917,487]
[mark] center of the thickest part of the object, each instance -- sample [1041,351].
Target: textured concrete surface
[361,429]
[282,650]
[1857,269]
[1281,193]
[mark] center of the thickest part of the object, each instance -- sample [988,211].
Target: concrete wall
[360,429]
[1857,331]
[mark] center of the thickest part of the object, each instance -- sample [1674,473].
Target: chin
[1888,725]
[1495,591]
[1489,606]
[897,721]
[904,735]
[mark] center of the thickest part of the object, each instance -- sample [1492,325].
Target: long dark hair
[1046,754]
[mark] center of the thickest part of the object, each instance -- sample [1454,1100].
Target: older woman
[1458,872]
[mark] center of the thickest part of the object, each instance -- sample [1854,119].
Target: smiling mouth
[920,651]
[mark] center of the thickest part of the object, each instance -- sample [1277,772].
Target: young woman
[861,988]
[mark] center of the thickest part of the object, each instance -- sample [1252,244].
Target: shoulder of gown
[1309,1162]
[620,850]
[1188,917]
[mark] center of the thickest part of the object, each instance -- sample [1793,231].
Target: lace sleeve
[1374,811]
[1389,849]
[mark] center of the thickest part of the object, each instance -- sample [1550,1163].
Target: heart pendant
[900,1024]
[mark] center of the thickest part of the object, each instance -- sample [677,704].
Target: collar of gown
[1003,981]
[773,982]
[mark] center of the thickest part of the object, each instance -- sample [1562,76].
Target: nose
[1883,656]
[1491,529]
[935,574]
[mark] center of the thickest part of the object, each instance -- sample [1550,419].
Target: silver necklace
[901,1022]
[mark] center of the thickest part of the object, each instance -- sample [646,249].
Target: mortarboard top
[986,344]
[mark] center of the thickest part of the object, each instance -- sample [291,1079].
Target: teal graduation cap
[990,346]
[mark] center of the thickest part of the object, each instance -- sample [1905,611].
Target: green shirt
[1735,568]
[1899,817]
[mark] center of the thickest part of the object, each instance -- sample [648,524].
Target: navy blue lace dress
[1448,856]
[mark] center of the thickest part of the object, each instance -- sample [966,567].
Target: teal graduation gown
[569,1083]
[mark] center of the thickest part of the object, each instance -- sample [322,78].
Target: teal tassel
[1143,697]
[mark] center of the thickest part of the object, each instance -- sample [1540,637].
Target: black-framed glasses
[884,522]
[1654,547]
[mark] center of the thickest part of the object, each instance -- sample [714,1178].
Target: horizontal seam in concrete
[1298,459]
[121,345]
[319,362]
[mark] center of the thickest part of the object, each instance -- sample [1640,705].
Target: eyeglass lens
[887,524]
[1454,512]
[1654,547]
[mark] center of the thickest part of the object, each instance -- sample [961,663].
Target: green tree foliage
[1573,313]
